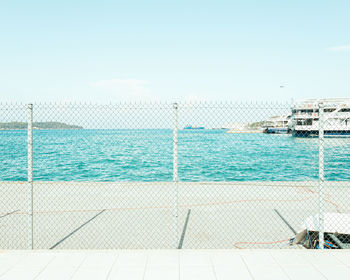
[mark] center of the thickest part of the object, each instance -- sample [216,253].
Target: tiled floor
[176,264]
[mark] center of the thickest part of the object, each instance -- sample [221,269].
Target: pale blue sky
[174,50]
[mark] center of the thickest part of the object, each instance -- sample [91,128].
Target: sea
[146,155]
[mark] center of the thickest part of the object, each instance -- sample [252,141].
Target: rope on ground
[258,243]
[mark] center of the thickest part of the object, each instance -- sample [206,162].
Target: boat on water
[193,127]
[277,124]
[305,118]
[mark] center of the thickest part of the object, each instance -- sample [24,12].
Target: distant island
[38,125]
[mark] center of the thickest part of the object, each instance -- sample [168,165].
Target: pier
[137,215]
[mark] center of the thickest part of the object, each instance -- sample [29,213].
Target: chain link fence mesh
[117,176]
[13,176]
[105,185]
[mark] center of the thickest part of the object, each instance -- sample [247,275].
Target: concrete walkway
[175,264]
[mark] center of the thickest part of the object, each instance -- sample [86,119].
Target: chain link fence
[175,175]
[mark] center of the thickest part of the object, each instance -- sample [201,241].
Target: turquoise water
[146,155]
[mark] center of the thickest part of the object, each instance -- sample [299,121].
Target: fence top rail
[150,104]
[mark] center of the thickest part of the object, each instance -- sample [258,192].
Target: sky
[111,51]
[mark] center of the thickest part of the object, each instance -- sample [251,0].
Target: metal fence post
[321,173]
[30,176]
[175,172]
